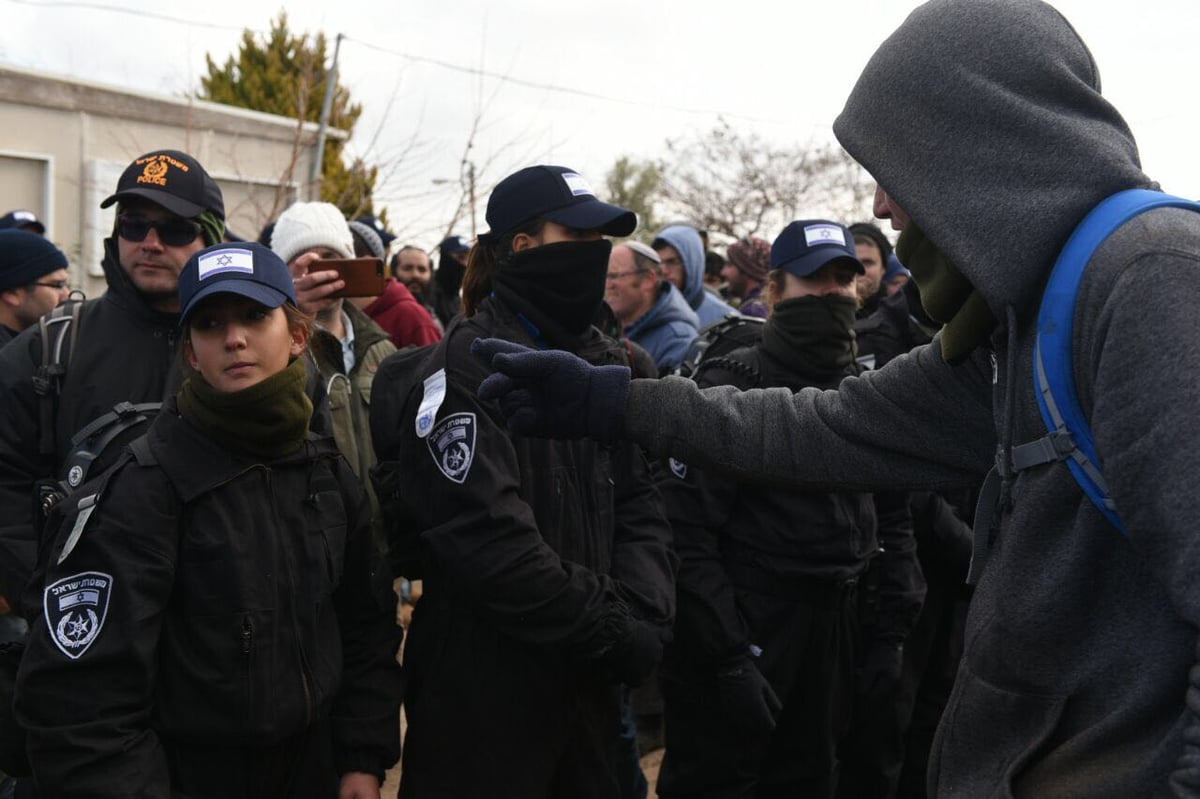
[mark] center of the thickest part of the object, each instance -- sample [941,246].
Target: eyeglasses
[60,285]
[613,276]
[171,232]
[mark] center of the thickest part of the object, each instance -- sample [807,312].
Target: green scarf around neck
[813,335]
[946,295]
[267,420]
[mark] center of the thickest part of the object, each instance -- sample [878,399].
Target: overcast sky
[636,72]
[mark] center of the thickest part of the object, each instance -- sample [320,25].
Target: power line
[474,71]
[130,11]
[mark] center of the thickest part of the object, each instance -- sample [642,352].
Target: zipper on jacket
[305,679]
[247,635]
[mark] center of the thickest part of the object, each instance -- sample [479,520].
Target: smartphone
[363,276]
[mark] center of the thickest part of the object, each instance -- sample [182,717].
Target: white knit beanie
[306,225]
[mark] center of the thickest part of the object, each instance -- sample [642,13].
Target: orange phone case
[363,276]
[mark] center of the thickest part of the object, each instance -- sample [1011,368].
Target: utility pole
[471,189]
[326,108]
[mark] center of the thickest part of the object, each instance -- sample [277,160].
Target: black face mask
[557,287]
[813,335]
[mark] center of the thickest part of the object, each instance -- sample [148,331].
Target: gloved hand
[879,670]
[552,393]
[749,701]
[635,654]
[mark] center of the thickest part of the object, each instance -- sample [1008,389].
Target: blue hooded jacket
[688,244]
[667,329]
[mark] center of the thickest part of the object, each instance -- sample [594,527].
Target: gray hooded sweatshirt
[1079,676]
[690,246]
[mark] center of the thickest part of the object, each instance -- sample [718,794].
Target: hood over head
[691,249]
[983,120]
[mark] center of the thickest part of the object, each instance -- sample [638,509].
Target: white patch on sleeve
[75,609]
[452,445]
[431,400]
[678,468]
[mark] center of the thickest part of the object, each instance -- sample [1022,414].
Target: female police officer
[215,619]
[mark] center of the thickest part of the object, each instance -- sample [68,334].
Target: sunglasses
[171,232]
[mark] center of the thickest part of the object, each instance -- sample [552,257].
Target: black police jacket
[778,541]
[553,543]
[209,607]
[126,352]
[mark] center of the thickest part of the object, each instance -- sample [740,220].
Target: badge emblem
[154,172]
[452,445]
[678,468]
[75,609]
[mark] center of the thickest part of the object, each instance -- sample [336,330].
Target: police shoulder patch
[678,468]
[452,445]
[75,609]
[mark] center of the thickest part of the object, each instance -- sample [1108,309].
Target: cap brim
[176,205]
[807,265]
[610,220]
[264,295]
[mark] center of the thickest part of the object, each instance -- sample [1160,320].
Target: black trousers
[808,657]
[492,716]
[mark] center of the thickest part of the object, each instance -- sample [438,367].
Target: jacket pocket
[989,737]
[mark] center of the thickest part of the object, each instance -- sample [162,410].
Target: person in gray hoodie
[1079,675]
[682,252]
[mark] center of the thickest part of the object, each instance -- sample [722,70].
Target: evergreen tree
[286,74]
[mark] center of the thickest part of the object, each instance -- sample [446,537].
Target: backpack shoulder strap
[1070,435]
[47,379]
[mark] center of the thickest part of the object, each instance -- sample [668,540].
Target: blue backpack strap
[1070,436]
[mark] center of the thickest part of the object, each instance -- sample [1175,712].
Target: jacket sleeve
[86,683]
[21,464]
[366,712]
[916,423]
[901,584]
[708,626]
[479,536]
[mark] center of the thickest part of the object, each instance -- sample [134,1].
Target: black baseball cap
[22,220]
[376,224]
[172,179]
[555,193]
[245,267]
[806,245]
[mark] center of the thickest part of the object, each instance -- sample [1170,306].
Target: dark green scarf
[946,295]
[812,335]
[267,420]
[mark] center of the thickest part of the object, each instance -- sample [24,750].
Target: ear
[299,340]
[13,297]
[770,296]
[189,354]
[523,241]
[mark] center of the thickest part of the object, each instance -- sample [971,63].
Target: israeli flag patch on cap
[75,608]
[577,184]
[226,260]
[823,234]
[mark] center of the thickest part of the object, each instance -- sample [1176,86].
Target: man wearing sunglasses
[122,350]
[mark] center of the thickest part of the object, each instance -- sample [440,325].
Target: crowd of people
[581,490]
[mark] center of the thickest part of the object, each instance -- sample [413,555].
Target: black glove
[879,670]
[749,701]
[635,654]
[552,393]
